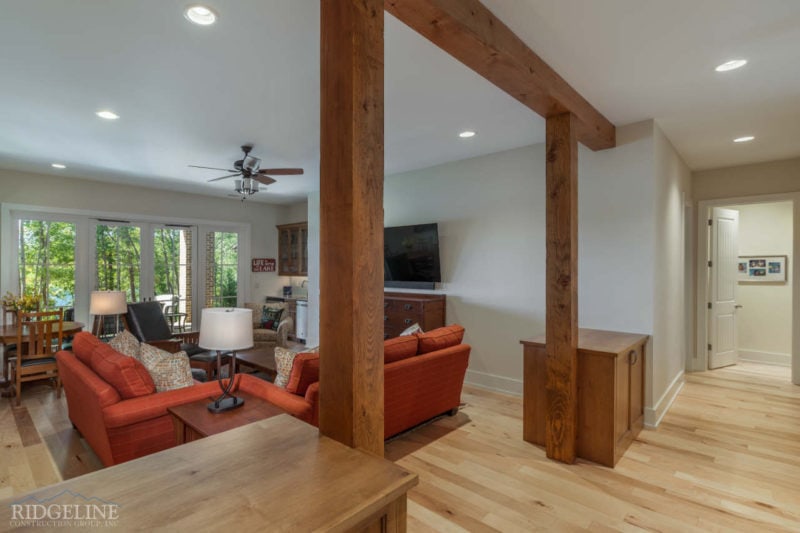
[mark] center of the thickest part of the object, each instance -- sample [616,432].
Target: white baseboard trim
[653,415]
[494,383]
[766,358]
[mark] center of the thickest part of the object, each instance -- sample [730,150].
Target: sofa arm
[312,397]
[284,330]
[296,406]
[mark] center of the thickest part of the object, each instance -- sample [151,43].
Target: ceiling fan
[249,168]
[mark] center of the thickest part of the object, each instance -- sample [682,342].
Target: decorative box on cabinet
[401,310]
[610,392]
[293,249]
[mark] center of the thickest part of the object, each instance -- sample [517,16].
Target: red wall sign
[263,265]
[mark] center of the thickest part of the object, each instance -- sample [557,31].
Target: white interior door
[723,349]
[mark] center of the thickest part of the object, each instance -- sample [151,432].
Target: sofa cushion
[169,371]
[399,348]
[124,373]
[125,343]
[440,338]
[284,364]
[305,371]
[83,344]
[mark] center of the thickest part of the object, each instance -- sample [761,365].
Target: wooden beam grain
[468,31]
[351,223]
[562,287]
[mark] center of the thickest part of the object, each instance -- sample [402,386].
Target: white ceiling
[192,95]
[639,59]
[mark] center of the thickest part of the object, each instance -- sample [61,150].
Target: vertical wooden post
[351,223]
[562,287]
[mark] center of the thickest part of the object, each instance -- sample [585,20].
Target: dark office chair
[146,321]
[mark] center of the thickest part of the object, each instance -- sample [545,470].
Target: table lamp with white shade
[106,303]
[226,330]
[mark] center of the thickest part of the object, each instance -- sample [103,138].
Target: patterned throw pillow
[284,358]
[126,343]
[271,316]
[169,371]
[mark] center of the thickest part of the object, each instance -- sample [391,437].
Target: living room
[488,199]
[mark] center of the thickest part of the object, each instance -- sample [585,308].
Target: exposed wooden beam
[351,223]
[468,31]
[562,287]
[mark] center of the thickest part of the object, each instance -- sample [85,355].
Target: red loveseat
[121,416]
[423,377]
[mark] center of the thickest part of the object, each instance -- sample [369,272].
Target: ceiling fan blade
[214,168]
[264,180]
[281,171]
[223,177]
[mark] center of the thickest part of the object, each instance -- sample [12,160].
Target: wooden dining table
[8,335]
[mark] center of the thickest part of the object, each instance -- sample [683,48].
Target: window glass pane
[118,259]
[222,268]
[172,268]
[46,252]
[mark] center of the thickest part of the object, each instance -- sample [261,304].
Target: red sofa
[423,378]
[119,427]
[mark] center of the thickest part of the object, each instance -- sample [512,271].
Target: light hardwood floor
[726,457]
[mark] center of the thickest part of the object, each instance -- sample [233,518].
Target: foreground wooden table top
[277,474]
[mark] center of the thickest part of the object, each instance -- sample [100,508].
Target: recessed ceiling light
[466,134]
[200,15]
[58,165]
[731,65]
[108,115]
[745,139]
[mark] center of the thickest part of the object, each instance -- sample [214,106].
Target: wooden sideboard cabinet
[610,392]
[403,309]
[293,249]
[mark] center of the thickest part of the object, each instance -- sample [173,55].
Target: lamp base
[225,404]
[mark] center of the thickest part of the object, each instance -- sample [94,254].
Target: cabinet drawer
[403,319]
[404,306]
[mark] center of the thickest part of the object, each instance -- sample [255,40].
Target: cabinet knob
[385,305]
[407,321]
[633,357]
[385,318]
[408,307]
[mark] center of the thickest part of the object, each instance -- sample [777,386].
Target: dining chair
[39,337]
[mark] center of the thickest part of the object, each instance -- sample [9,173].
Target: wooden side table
[194,421]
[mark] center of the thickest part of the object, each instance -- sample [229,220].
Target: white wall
[765,320]
[69,193]
[491,215]
[673,188]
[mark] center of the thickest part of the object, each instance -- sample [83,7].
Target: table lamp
[106,303]
[226,330]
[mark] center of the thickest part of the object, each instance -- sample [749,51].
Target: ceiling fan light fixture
[200,15]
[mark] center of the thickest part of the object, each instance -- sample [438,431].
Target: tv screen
[411,253]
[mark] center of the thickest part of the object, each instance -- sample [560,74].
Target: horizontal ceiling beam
[468,31]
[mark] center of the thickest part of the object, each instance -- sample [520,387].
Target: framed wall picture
[762,268]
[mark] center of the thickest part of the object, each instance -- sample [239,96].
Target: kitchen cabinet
[293,249]
[610,372]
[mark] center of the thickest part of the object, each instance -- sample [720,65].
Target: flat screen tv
[411,256]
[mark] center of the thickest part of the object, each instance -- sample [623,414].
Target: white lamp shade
[226,329]
[108,303]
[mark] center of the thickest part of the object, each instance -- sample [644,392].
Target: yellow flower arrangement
[26,302]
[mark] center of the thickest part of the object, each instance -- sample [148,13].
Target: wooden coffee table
[194,421]
[261,359]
